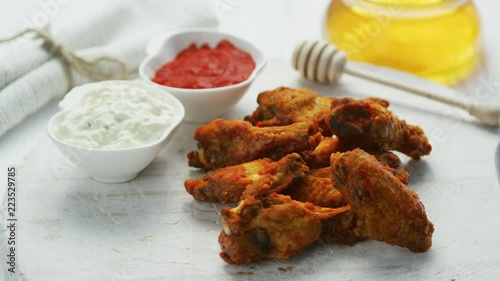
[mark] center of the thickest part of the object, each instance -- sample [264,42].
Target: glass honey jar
[435,39]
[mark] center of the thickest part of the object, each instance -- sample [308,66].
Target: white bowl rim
[259,65]
[180,112]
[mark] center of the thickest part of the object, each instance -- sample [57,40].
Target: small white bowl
[202,105]
[112,165]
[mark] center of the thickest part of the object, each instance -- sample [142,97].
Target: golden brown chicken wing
[368,124]
[227,185]
[386,209]
[273,226]
[319,157]
[316,187]
[393,164]
[345,229]
[285,106]
[224,143]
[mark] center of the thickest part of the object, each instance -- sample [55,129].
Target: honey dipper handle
[391,82]
[487,113]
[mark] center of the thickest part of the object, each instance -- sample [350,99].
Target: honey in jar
[435,39]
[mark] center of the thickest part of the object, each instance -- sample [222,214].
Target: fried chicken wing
[319,157]
[388,158]
[368,124]
[387,210]
[393,164]
[227,185]
[285,106]
[316,187]
[273,226]
[345,229]
[224,143]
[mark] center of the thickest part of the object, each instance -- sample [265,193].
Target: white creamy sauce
[116,116]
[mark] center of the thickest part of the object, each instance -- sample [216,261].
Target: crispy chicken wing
[319,157]
[272,226]
[368,124]
[224,143]
[316,187]
[227,185]
[285,106]
[386,209]
[345,229]
[393,164]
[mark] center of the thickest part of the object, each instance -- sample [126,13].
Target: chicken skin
[344,229]
[316,187]
[319,157]
[393,164]
[386,209]
[272,226]
[224,143]
[285,106]
[369,125]
[227,185]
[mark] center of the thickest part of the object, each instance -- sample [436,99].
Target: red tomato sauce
[203,67]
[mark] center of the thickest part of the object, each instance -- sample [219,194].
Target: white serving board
[71,227]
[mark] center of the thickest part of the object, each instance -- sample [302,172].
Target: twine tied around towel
[89,68]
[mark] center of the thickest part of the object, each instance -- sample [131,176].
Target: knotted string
[88,68]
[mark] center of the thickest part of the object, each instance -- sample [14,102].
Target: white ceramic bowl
[202,105]
[117,164]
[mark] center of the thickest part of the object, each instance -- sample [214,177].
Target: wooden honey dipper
[323,62]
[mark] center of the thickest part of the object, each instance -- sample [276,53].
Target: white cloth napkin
[30,77]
